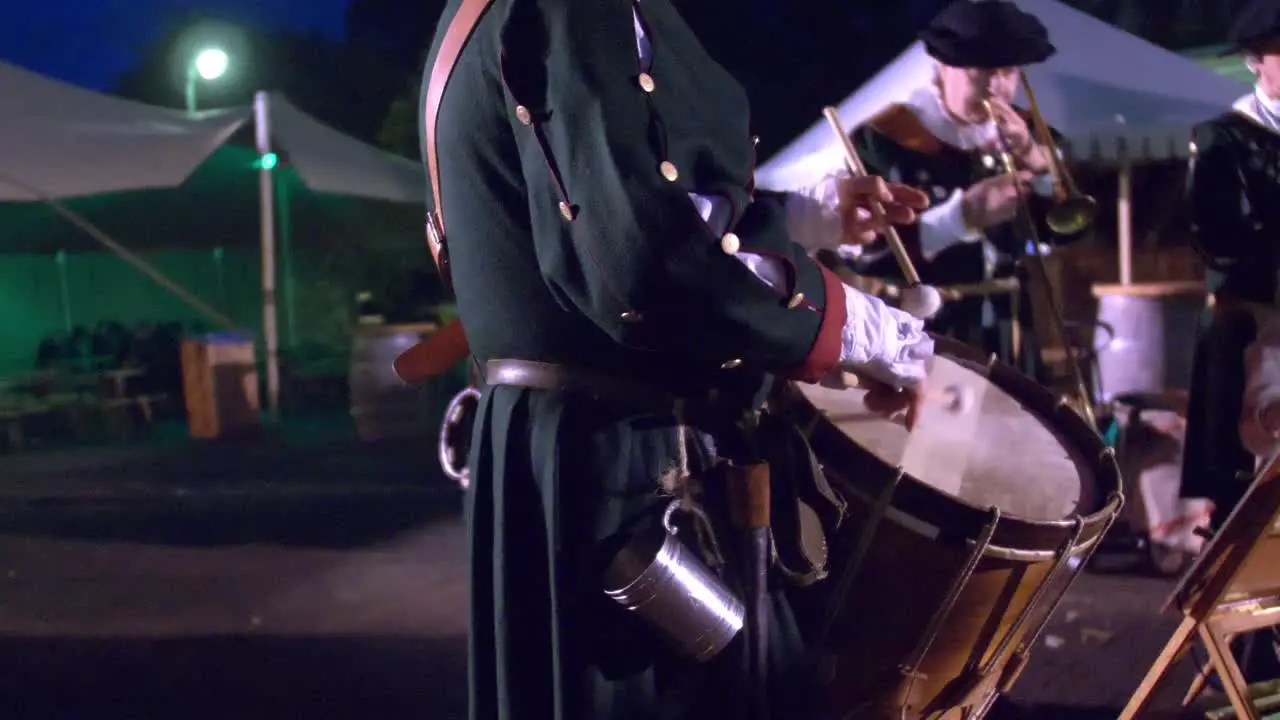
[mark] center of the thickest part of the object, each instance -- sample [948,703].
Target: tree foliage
[356,83]
[793,57]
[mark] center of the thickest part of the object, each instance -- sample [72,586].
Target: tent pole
[286,253]
[220,277]
[61,261]
[266,219]
[1124,220]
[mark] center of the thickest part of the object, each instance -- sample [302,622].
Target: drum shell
[893,619]
[1152,346]
[916,549]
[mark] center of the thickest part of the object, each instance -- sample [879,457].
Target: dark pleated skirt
[558,485]
[1214,457]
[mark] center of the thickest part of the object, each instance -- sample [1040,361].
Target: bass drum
[960,538]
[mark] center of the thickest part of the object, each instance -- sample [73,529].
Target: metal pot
[663,580]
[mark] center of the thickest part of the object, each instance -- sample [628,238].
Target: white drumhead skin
[1003,455]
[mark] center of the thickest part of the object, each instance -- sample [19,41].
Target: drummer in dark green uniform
[943,141]
[609,255]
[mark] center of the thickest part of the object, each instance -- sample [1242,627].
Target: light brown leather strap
[455,38]
[443,350]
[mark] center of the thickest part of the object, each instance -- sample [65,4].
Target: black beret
[1257,24]
[987,34]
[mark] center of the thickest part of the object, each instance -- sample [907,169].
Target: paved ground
[339,595]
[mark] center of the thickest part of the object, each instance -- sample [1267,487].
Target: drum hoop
[914,524]
[924,509]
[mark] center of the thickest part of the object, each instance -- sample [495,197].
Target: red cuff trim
[825,353]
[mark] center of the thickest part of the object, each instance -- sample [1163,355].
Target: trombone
[1072,211]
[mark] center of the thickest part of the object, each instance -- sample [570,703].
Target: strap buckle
[435,233]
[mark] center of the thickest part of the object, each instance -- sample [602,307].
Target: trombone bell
[1072,214]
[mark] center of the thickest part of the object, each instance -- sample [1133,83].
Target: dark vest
[1235,198]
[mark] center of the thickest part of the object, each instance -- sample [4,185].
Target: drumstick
[858,169]
[999,286]
[923,301]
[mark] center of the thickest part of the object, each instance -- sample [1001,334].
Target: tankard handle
[454,466]
[692,509]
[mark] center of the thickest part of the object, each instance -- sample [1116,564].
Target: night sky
[89,42]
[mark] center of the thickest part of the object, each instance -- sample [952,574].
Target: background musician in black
[1234,194]
[943,141]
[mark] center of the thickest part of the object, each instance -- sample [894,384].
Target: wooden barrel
[1152,336]
[385,408]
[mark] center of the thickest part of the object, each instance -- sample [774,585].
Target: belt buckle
[435,234]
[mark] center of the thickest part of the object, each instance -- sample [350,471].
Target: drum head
[994,452]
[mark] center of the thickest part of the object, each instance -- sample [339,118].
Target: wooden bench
[119,411]
[14,418]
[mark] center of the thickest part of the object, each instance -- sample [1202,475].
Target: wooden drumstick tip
[921,301]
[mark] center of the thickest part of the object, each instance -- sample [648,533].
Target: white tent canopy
[62,141]
[58,141]
[331,162]
[1114,96]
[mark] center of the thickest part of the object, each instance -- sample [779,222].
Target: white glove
[883,343]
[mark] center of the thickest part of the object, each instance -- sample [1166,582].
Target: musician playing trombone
[946,140]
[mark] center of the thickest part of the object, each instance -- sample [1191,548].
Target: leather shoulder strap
[460,28]
[445,348]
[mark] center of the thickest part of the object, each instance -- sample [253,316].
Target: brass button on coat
[795,301]
[570,212]
[645,80]
[630,316]
[731,364]
[730,244]
[523,115]
[669,171]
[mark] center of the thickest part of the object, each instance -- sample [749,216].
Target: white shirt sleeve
[943,225]
[813,215]
[717,212]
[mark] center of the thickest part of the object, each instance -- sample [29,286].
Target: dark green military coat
[900,144]
[1234,194]
[566,170]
